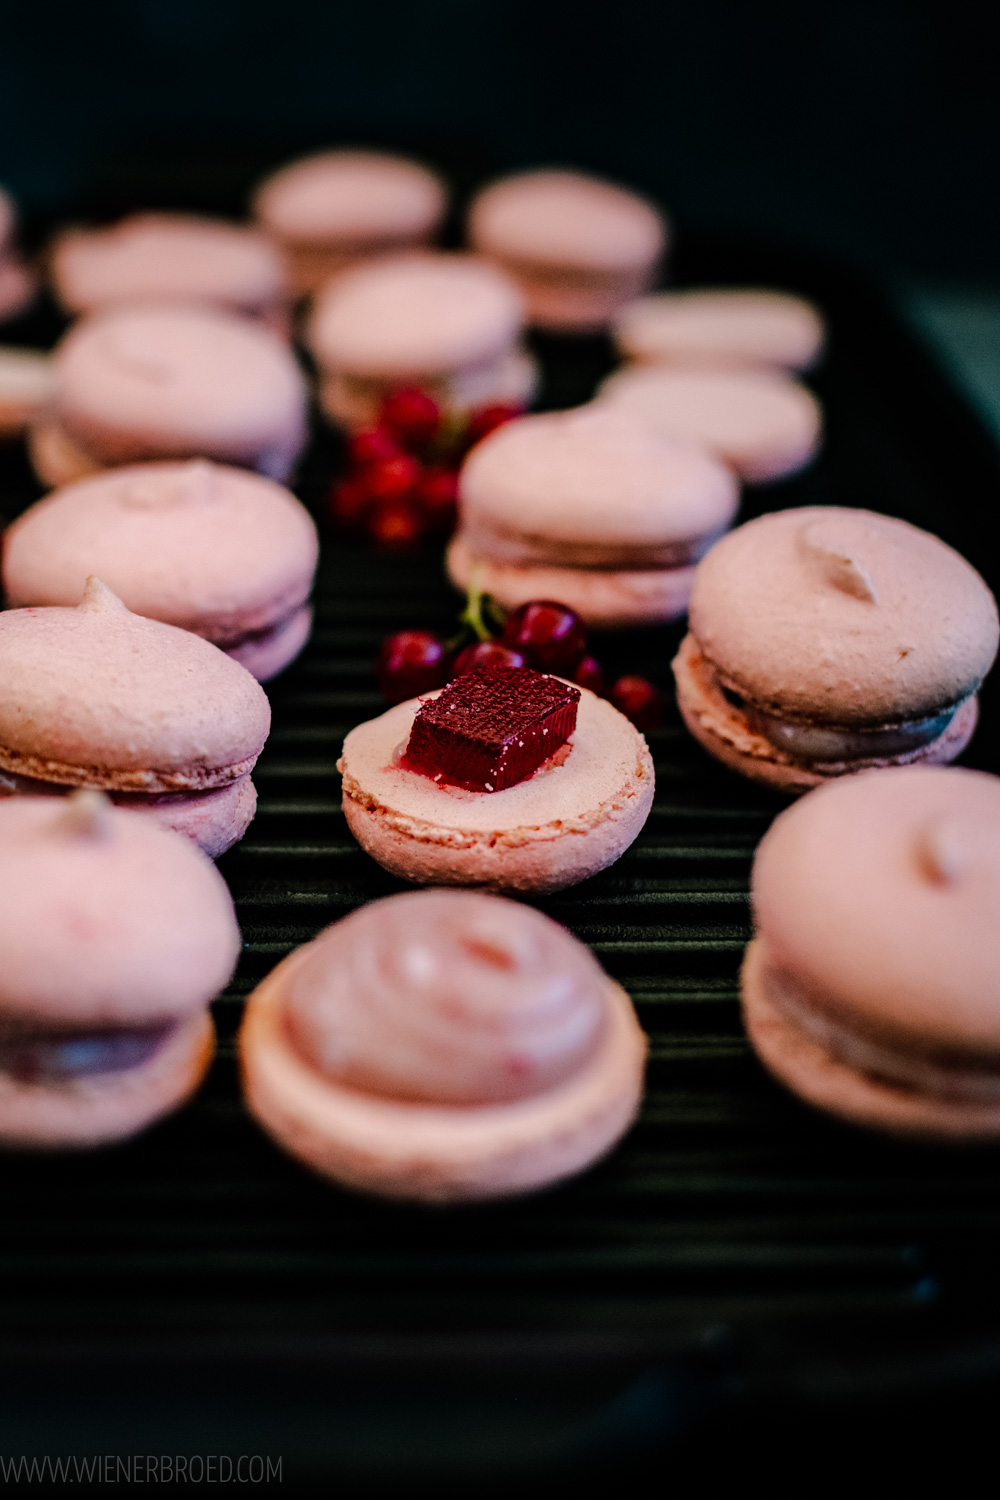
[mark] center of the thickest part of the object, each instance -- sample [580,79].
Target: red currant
[437,490]
[412,415]
[411,662]
[397,522]
[350,502]
[371,446]
[486,654]
[392,478]
[639,701]
[550,636]
[487,419]
[590,674]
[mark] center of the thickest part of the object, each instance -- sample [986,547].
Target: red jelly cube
[492,728]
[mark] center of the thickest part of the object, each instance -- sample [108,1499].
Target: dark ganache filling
[55,1056]
[490,729]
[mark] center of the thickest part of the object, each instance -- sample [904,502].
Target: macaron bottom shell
[828,1083]
[268,652]
[431,1153]
[574,302]
[722,730]
[105,1107]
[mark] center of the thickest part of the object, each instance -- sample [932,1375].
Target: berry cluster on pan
[451,1043]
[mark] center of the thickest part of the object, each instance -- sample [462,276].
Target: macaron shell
[56,458]
[724,732]
[98,696]
[604,598]
[803,1065]
[215,820]
[723,327]
[430,1153]
[557,828]
[510,380]
[781,609]
[761,422]
[264,656]
[575,304]
[107,1107]
[212,549]
[351,197]
[25,388]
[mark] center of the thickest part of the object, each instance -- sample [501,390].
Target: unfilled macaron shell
[353,197]
[722,327]
[843,617]
[566,220]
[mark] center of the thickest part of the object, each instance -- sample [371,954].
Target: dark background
[869,128]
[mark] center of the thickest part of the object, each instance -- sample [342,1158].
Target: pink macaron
[761,422]
[171,258]
[579,248]
[871,988]
[162,720]
[339,207]
[590,508]
[443,1046]
[115,936]
[825,640]
[723,327]
[139,383]
[216,550]
[573,815]
[448,324]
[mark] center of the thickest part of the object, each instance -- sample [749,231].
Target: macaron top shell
[187,543]
[167,258]
[843,617]
[219,382]
[352,196]
[594,475]
[106,918]
[722,326]
[415,315]
[100,695]
[879,896]
[567,220]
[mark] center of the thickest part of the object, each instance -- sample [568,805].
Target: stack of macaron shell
[114,937]
[760,421]
[871,987]
[133,384]
[339,207]
[17,283]
[722,327]
[170,258]
[579,248]
[826,640]
[590,508]
[219,551]
[101,698]
[443,1046]
[448,324]
[574,815]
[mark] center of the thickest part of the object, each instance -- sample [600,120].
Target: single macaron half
[512,780]
[171,258]
[160,719]
[762,423]
[448,324]
[826,640]
[443,1046]
[591,508]
[114,937]
[219,551]
[579,248]
[871,987]
[336,208]
[139,383]
[724,327]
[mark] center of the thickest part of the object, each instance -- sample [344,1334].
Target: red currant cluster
[402,476]
[540,634]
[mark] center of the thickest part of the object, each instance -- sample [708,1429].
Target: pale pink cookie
[722,327]
[825,640]
[449,324]
[590,508]
[871,988]
[762,423]
[102,698]
[171,258]
[141,383]
[579,248]
[443,1046]
[224,553]
[26,387]
[340,207]
[575,816]
[115,936]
